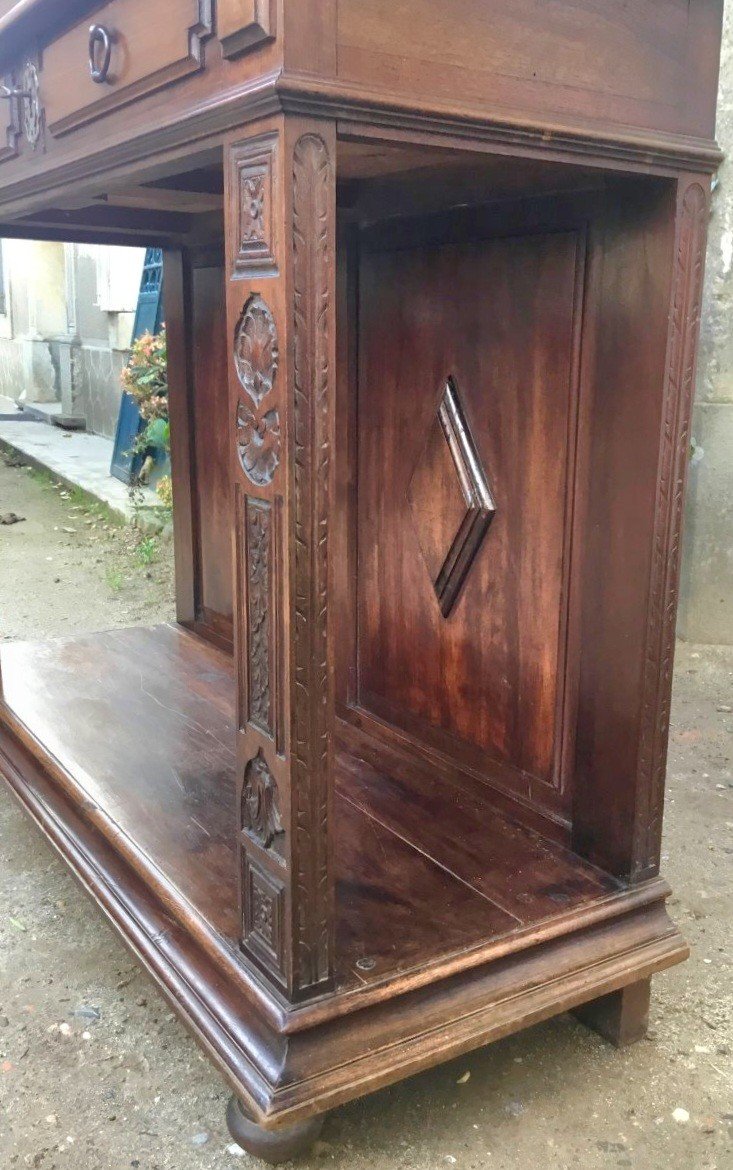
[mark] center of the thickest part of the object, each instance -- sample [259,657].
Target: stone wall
[706,599]
[65,325]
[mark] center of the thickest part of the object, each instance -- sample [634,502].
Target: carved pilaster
[281,380]
[674,454]
[313,425]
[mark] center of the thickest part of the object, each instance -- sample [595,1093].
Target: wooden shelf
[119,745]
[137,729]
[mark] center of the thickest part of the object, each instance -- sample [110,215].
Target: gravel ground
[96,1074]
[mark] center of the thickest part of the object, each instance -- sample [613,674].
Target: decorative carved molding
[251,194]
[256,361]
[258,520]
[264,919]
[260,808]
[449,465]
[30,104]
[672,476]
[312,422]
[245,24]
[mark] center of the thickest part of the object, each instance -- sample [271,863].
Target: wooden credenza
[433,279]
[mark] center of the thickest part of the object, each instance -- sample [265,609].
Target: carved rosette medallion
[31,104]
[260,810]
[256,361]
[259,588]
[255,349]
[672,474]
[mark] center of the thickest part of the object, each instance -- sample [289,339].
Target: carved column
[693,199]
[280,239]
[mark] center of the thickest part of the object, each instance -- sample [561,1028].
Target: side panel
[644,371]
[467,413]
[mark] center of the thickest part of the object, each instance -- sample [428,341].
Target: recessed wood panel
[497,318]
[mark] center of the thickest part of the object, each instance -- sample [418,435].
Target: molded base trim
[283,1080]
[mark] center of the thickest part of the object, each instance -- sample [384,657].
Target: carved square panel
[450,499]
[264,910]
[251,195]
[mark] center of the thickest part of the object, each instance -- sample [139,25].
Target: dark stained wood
[286,1075]
[424,261]
[166,730]
[409,897]
[485,684]
[638,451]
[174,736]
[177,308]
[211,446]
[515,867]
[518,56]
[622,1017]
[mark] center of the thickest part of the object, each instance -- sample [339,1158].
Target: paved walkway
[75,457]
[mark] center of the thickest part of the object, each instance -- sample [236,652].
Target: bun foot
[271,1145]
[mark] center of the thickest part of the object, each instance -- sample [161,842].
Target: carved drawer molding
[245,24]
[151,47]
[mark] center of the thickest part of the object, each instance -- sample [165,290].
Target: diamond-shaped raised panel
[450,499]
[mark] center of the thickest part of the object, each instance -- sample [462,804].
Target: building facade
[66,316]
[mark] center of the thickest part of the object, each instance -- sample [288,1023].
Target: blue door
[147,319]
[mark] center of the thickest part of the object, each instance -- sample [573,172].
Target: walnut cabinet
[391,787]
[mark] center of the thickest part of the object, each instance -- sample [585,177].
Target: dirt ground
[97,1074]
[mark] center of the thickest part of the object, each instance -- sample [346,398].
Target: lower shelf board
[120,745]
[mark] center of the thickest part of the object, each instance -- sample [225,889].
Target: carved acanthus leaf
[258,441]
[255,349]
[260,809]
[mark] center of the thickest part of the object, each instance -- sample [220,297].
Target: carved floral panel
[256,359]
[264,919]
[259,532]
[252,183]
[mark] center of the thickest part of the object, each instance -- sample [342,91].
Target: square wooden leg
[622,1017]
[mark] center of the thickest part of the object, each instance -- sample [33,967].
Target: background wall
[706,601]
[66,315]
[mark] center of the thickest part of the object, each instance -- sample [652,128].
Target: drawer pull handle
[100,53]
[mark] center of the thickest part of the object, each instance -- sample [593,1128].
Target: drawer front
[150,47]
